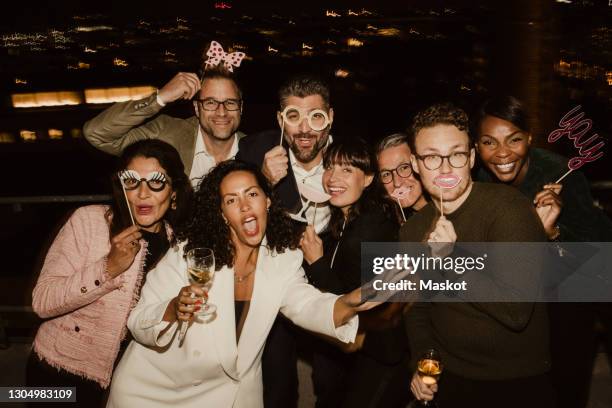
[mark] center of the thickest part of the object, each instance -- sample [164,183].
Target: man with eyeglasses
[395,173]
[489,350]
[202,140]
[294,153]
[290,155]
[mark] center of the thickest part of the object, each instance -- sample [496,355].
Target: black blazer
[387,346]
[252,149]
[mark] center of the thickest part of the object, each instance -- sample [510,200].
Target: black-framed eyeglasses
[211,104]
[434,161]
[131,179]
[403,170]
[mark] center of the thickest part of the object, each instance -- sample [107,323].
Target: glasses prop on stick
[312,195]
[317,119]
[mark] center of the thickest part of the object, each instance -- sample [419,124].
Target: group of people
[115,292]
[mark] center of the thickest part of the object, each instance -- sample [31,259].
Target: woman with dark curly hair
[94,269]
[258,274]
[377,363]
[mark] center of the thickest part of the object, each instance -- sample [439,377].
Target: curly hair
[207,228]
[356,153]
[439,114]
[169,159]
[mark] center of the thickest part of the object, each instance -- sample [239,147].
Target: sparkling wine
[200,276]
[429,371]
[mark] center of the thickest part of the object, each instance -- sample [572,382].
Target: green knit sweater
[482,341]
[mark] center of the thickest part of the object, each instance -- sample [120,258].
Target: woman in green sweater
[503,142]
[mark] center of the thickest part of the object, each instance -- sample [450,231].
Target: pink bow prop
[216,55]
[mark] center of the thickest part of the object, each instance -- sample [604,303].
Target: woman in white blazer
[258,274]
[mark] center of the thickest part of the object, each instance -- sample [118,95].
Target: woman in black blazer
[366,374]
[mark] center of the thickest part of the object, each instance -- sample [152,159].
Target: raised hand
[549,204]
[184,85]
[442,239]
[124,247]
[275,164]
[311,245]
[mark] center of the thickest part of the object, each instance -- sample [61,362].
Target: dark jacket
[253,148]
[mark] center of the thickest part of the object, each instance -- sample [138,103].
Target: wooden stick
[401,209]
[563,176]
[441,202]
[127,202]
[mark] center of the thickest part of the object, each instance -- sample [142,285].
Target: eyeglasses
[317,118]
[130,179]
[403,170]
[434,161]
[211,104]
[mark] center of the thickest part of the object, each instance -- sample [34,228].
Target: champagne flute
[429,369]
[200,271]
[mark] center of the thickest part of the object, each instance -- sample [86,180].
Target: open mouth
[506,167]
[251,228]
[336,191]
[305,142]
[144,209]
[447,180]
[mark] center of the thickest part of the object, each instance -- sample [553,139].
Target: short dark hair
[218,72]
[302,86]
[169,159]
[438,114]
[504,107]
[207,228]
[356,153]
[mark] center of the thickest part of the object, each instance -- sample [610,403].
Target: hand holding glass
[429,369]
[200,271]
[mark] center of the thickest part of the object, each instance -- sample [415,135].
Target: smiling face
[408,188]
[504,149]
[345,184]
[305,143]
[219,124]
[245,208]
[148,206]
[452,184]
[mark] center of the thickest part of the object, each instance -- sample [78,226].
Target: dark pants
[357,380]
[89,394]
[573,344]
[529,392]
[279,366]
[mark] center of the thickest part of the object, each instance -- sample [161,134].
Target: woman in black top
[376,363]
[567,212]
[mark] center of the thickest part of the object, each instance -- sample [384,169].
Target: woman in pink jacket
[94,270]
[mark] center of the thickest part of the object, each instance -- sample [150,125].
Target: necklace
[240,279]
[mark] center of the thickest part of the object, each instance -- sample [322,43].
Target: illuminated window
[6,137]
[55,134]
[38,99]
[27,135]
[110,95]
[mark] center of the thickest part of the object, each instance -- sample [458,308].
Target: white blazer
[210,369]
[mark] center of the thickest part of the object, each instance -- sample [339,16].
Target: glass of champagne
[429,369]
[200,271]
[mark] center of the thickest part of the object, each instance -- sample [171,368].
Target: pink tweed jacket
[88,310]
